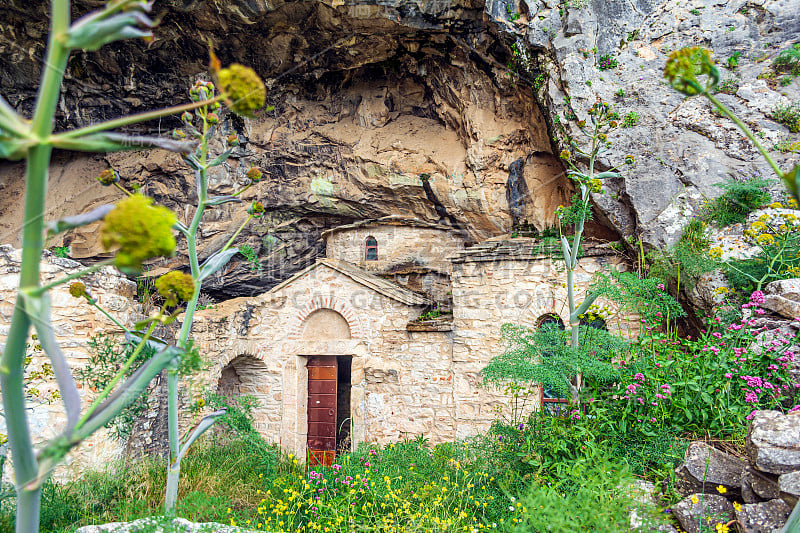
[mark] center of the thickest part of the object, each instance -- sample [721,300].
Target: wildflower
[140,230]
[765,239]
[737,507]
[776,205]
[629,159]
[757,297]
[694,499]
[683,67]
[721,489]
[108,177]
[595,185]
[715,253]
[175,286]
[565,154]
[178,134]
[254,174]
[256,209]
[77,289]
[243,89]
[722,528]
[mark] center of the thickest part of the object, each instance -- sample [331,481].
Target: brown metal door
[322,371]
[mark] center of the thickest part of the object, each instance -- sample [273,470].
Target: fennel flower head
[139,230]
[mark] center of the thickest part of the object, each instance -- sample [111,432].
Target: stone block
[704,468]
[773,441]
[764,517]
[700,513]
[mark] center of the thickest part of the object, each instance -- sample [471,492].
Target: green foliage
[788,115]
[779,256]
[738,199]
[694,11]
[60,251]
[705,386]
[681,262]
[572,214]
[787,145]
[595,499]
[543,356]
[645,297]
[238,417]
[789,59]
[620,93]
[107,356]
[252,258]
[733,61]
[606,62]
[631,119]
[729,86]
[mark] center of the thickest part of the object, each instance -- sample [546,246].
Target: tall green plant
[135,228]
[587,180]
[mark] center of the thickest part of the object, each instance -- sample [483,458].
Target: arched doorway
[246,375]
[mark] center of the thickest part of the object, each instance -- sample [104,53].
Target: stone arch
[542,304]
[550,318]
[326,324]
[326,302]
[242,375]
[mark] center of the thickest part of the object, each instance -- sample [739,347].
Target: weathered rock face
[415,109]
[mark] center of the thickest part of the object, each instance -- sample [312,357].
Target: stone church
[385,337]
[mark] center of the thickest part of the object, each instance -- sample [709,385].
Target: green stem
[88,270]
[236,234]
[12,383]
[742,126]
[174,466]
[137,118]
[121,374]
[92,302]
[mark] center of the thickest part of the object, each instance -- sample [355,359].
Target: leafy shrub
[631,119]
[543,356]
[599,497]
[709,385]
[107,356]
[789,59]
[788,115]
[606,62]
[778,237]
[739,198]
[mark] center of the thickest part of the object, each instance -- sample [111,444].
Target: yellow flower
[715,253]
[140,230]
[721,489]
[77,289]
[737,506]
[243,89]
[565,154]
[175,286]
[683,67]
[722,528]
[776,205]
[694,499]
[765,239]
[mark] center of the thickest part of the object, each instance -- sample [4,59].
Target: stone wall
[74,323]
[500,283]
[401,381]
[398,245]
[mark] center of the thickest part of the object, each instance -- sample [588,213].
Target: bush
[606,62]
[599,497]
[706,386]
[788,115]
[738,199]
[630,120]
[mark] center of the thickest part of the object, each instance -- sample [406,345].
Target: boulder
[705,468]
[764,517]
[702,512]
[764,486]
[783,297]
[789,485]
[773,442]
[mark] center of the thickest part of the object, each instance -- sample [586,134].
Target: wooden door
[322,372]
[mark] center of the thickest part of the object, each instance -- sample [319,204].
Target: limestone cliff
[416,108]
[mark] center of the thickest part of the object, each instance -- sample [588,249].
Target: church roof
[371,281]
[391,220]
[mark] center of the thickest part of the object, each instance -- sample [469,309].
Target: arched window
[550,318]
[371,249]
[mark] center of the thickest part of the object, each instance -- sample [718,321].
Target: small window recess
[371,249]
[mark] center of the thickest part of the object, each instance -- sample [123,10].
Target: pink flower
[638,376]
[757,297]
[661,286]
[728,375]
